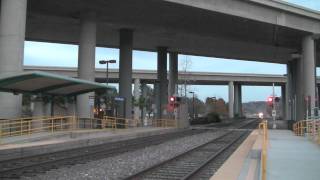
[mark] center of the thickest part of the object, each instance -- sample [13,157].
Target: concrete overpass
[233,80]
[257,30]
[195,78]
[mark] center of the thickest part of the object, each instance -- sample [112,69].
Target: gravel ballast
[123,165]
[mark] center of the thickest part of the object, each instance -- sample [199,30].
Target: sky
[51,54]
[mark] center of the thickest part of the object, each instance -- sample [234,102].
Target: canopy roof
[37,82]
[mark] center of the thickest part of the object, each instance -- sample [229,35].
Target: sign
[91,102]
[274,113]
[119,98]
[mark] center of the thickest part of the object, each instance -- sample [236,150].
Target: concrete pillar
[144,95]
[86,60]
[173,73]
[238,100]
[38,111]
[12,36]
[318,95]
[283,102]
[231,99]
[137,93]
[309,68]
[125,71]
[156,91]
[299,97]
[289,101]
[163,82]
[39,107]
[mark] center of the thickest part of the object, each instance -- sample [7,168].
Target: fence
[31,125]
[115,122]
[308,128]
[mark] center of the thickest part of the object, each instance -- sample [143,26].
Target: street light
[193,114]
[111,61]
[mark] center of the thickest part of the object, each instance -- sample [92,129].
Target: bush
[210,118]
[213,117]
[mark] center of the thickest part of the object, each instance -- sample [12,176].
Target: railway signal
[271,99]
[174,102]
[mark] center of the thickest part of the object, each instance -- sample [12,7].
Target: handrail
[31,125]
[127,123]
[263,126]
[310,128]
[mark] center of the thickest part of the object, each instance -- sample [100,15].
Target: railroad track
[29,166]
[187,165]
[238,124]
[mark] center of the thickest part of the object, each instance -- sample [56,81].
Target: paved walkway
[291,157]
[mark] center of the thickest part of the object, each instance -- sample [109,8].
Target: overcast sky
[50,54]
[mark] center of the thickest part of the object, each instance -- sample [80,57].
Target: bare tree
[185,65]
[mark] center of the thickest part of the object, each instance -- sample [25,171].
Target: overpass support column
[309,68]
[86,60]
[283,102]
[12,36]
[125,71]
[289,101]
[144,89]
[299,97]
[238,100]
[173,73]
[231,99]
[163,82]
[136,92]
[38,110]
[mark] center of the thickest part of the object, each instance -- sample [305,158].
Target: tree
[199,106]
[216,105]
[185,65]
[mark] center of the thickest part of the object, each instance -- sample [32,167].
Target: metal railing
[263,127]
[309,128]
[27,126]
[32,125]
[115,122]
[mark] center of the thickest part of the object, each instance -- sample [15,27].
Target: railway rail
[198,162]
[29,166]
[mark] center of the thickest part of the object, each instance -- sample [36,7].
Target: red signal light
[270,99]
[172,99]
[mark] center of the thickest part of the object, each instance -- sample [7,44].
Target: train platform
[292,157]
[288,157]
[40,143]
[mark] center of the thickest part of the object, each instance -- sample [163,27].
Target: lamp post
[193,115]
[111,61]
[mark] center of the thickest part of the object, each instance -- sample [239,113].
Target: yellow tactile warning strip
[233,167]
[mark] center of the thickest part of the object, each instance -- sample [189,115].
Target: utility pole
[193,114]
[274,126]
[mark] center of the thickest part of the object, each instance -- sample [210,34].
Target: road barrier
[263,127]
[32,125]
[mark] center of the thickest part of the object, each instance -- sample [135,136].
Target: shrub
[210,118]
[213,117]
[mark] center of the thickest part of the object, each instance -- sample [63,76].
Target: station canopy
[37,82]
